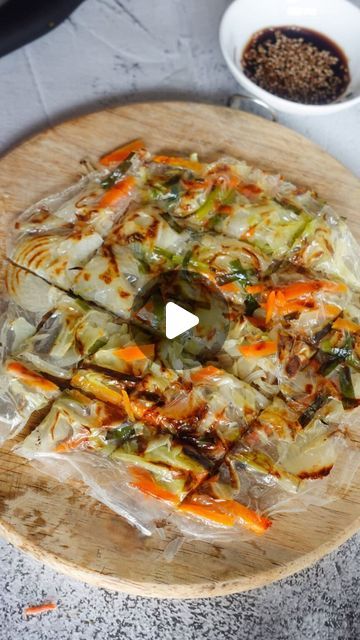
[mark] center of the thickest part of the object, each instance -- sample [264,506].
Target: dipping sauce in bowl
[297,64]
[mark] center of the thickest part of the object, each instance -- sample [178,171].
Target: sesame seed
[296,64]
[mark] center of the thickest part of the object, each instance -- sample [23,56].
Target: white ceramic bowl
[337,19]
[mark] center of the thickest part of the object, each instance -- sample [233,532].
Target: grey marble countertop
[108,52]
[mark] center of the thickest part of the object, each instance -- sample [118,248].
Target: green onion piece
[319,335]
[238,274]
[346,385]
[310,412]
[171,222]
[98,344]
[118,173]
[140,255]
[251,304]
[330,365]
[173,457]
[164,253]
[336,355]
[201,266]
[210,203]
[83,305]
[171,257]
[187,258]
[215,220]
[241,273]
[167,193]
[159,311]
[353,361]
[121,433]
[339,352]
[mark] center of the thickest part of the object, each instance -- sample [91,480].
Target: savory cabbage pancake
[223,443]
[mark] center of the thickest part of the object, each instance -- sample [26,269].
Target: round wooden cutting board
[60,525]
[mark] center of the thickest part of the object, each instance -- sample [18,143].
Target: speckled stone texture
[321,603]
[108,52]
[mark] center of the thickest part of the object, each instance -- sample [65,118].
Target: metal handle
[240,101]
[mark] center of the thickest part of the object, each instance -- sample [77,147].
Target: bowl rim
[282,104]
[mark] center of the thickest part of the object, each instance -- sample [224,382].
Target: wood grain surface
[60,525]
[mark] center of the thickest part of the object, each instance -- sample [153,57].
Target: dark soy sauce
[297,64]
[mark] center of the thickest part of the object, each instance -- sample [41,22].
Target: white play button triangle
[178,320]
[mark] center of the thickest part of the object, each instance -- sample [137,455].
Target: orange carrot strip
[346,325]
[226,512]
[294,307]
[255,288]
[280,299]
[119,191]
[250,232]
[208,512]
[270,306]
[127,405]
[121,153]
[249,190]
[204,373]
[145,483]
[301,289]
[130,354]
[225,209]
[332,310]
[98,389]
[227,182]
[40,608]
[233,182]
[30,378]
[229,287]
[152,489]
[70,445]
[251,519]
[336,287]
[182,163]
[296,297]
[258,349]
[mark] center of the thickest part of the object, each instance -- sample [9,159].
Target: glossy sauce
[297,64]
